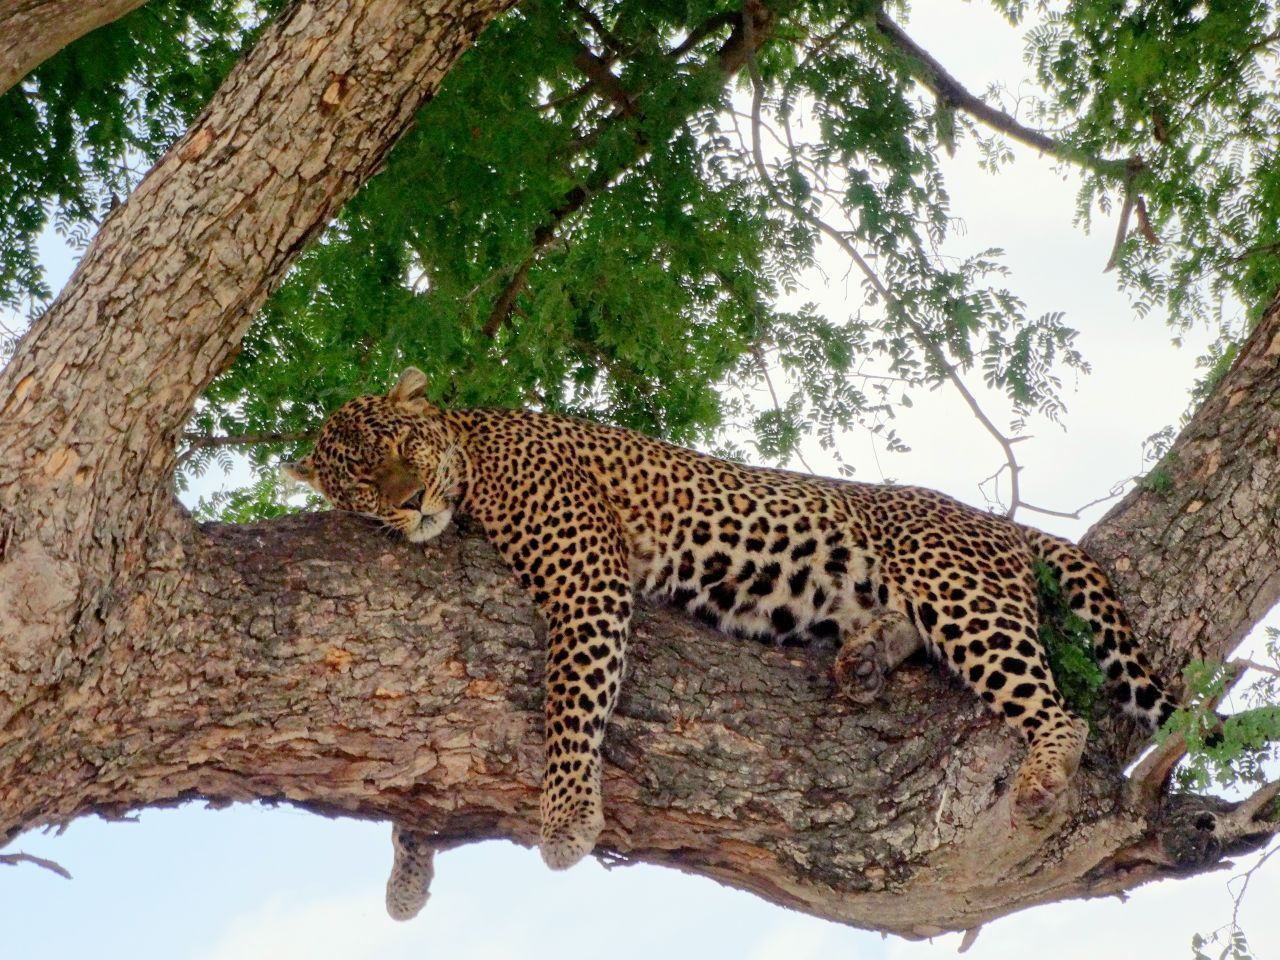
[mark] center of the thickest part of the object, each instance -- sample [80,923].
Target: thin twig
[918,332]
[502,306]
[1122,231]
[565,98]
[16,858]
[1144,222]
[969,939]
[197,441]
[764,370]
[597,25]
[1255,665]
[1116,491]
[1244,887]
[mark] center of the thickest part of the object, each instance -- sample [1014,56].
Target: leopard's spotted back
[589,516]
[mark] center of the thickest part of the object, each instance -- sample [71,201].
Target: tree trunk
[32,31]
[97,391]
[144,660]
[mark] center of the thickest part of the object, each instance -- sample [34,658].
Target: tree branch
[729,59]
[199,441]
[15,858]
[416,698]
[34,30]
[934,76]
[604,80]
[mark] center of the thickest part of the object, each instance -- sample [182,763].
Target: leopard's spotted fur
[589,516]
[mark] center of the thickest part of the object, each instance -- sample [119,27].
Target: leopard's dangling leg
[409,885]
[585,659]
[581,581]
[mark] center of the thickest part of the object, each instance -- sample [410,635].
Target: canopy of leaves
[609,205]
[1186,92]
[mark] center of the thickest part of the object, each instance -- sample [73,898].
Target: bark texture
[144,660]
[32,31]
[94,398]
[1196,547]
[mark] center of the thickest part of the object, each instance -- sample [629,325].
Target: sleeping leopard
[589,517]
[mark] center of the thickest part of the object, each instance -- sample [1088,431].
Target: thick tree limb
[1196,552]
[283,670]
[32,31]
[144,661]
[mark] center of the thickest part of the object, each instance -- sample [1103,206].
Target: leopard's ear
[411,386]
[301,471]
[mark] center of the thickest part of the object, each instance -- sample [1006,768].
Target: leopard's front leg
[585,659]
[567,546]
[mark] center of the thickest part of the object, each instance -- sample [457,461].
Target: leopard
[591,517]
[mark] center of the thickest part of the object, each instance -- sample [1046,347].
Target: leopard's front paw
[570,833]
[869,654]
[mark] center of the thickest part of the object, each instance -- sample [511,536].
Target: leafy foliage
[609,249]
[1068,644]
[1232,941]
[591,218]
[1187,93]
[1231,751]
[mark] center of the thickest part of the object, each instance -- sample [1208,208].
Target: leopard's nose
[414,502]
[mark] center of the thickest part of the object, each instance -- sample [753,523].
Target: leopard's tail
[1089,594]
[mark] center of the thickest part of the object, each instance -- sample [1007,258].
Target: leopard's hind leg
[1089,592]
[990,638]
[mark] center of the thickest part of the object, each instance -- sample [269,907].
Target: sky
[248,882]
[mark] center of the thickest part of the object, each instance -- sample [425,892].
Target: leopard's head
[392,457]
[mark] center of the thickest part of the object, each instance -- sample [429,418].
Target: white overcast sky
[250,883]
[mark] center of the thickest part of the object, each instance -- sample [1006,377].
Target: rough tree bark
[32,31]
[144,660]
